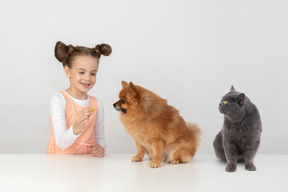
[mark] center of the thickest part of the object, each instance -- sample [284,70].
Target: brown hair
[66,53]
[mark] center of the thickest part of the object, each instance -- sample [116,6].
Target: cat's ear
[232,88]
[241,98]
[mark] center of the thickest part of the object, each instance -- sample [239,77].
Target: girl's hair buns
[62,51]
[103,49]
[66,53]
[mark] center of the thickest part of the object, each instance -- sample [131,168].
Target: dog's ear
[132,87]
[124,84]
[133,90]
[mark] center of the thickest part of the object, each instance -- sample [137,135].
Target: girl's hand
[81,119]
[97,150]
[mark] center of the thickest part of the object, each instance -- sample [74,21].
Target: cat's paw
[250,167]
[231,168]
[155,164]
[136,159]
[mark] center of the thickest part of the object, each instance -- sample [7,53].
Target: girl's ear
[67,71]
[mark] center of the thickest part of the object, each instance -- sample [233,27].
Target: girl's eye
[93,74]
[81,73]
[122,100]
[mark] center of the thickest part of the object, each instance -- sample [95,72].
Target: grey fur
[240,136]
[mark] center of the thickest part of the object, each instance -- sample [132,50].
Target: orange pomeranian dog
[157,127]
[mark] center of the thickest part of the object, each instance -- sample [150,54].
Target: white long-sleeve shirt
[64,136]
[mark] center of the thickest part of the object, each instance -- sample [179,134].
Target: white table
[116,172]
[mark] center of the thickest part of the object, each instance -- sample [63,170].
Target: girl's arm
[99,126]
[64,137]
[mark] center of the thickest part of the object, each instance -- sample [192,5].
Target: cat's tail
[195,133]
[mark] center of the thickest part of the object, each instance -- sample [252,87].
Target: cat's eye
[122,100]
[225,102]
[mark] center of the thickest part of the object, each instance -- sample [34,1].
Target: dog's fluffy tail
[195,132]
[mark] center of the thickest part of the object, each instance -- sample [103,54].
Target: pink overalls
[87,138]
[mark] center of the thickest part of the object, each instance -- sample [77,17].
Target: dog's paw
[136,159]
[155,164]
[174,161]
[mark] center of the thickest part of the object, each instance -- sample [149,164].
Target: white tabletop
[116,172]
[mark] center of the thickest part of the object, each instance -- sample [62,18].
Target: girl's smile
[86,85]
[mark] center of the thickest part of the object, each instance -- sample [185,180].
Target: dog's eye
[122,100]
[225,102]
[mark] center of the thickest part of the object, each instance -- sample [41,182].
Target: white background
[189,52]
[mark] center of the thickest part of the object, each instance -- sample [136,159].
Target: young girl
[76,118]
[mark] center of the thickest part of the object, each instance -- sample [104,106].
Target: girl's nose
[87,77]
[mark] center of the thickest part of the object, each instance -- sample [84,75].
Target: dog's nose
[219,104]
[114,105]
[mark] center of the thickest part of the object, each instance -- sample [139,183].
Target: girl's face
[82,75]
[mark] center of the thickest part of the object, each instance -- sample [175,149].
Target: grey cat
[239,138]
